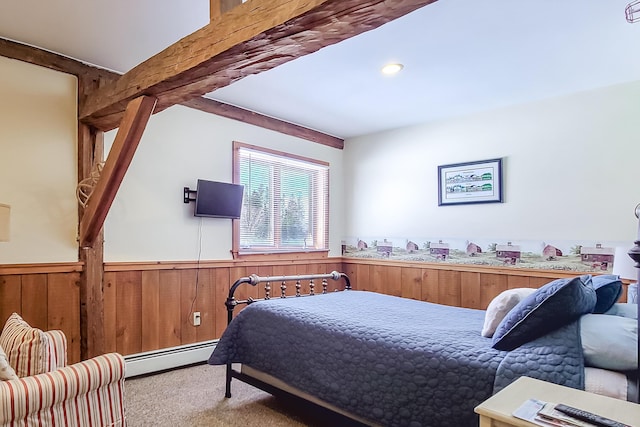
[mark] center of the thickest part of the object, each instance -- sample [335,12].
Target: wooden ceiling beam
[124,146]
[54,61]
[246,116]
[250,38]
[93,77]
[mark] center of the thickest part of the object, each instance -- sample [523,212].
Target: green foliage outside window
[283,201]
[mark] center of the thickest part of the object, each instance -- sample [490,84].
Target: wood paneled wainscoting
[149,306]
[470,286]
[47,296]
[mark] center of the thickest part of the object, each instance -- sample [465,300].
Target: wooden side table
[496,411]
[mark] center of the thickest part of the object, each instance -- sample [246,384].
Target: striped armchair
[88,393]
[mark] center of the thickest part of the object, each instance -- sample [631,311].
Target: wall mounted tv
[218,199]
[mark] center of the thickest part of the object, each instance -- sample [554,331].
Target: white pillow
[500,306]
[609,342]
[624,310]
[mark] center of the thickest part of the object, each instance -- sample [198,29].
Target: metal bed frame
[253,280]
[231,303]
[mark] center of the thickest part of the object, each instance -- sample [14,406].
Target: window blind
[286,202]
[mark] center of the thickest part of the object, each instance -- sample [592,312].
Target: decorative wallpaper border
[578,256]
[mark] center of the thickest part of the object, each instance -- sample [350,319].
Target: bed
[385,360]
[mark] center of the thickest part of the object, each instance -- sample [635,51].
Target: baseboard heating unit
[168,358]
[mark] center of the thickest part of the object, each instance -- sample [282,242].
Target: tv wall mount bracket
[187,195]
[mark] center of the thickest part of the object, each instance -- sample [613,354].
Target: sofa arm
[88,393]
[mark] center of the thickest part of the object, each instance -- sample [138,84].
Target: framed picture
[470,182]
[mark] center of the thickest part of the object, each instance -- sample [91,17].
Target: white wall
[38,171]
[570,172]
[148,220]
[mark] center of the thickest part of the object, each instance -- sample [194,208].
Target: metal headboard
[254,279]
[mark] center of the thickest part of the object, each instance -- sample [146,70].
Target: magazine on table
[545,414]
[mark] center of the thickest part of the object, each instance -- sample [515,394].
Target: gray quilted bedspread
[390,360]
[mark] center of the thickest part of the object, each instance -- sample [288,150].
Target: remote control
[588,416]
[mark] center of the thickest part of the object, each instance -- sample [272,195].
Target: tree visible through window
[286,200]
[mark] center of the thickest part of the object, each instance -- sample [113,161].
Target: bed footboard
[253,280]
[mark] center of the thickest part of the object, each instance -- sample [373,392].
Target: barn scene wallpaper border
[578,256]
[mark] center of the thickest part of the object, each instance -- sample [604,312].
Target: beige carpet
[194,396]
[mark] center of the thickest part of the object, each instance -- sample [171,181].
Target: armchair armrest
[90,392]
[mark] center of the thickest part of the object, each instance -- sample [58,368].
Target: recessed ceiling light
[392,68]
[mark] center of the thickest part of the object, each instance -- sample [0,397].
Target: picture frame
[470,182]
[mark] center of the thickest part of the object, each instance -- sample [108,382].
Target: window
[285,204]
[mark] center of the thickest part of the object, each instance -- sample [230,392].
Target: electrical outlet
[196,318]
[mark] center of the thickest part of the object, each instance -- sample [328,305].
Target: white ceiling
[460,56]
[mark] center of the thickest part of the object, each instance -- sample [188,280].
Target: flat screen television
[218,199]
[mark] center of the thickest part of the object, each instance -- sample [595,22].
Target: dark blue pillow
[608,290]
[552,306]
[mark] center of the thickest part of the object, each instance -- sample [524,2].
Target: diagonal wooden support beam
[250,38]
[126,142]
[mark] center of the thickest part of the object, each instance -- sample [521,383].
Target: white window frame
[319,244]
